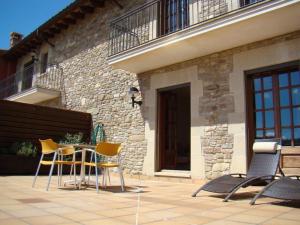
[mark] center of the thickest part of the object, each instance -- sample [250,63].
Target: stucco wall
[218,124]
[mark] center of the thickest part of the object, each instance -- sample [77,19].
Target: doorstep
[174,173]
[166,176]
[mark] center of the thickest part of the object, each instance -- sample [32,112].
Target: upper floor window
[248,2]
[276,105]
[175,15]
[44,62]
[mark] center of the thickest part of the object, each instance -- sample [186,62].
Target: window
[248,2]
[44,62]
[175,15]
[276,105]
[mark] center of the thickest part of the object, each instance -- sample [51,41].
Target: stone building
[212,77]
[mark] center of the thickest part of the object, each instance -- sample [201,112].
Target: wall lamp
[34,57]
[134,92]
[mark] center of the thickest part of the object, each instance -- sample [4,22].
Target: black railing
[28,78]
[163,17]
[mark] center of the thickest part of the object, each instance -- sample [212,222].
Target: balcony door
[173,131]
[248,2]
[174,15]
[27,75]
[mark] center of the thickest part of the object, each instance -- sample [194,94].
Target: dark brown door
[174,128]
[27,75]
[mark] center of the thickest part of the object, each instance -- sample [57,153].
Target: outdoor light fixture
[134,92]
[34,57]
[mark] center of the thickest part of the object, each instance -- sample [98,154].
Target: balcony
[165,32]
[27,86]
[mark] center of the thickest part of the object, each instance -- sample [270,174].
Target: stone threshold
[159,177]
[173,173]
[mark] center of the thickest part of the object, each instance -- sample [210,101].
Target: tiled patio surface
[162,203]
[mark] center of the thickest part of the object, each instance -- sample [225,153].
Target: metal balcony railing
[163,17]
[28,78]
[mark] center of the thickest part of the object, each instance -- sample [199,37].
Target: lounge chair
[286,188]
[263,168]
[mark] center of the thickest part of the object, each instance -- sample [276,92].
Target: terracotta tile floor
[161,203]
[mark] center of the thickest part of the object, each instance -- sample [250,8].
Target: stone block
[136,138]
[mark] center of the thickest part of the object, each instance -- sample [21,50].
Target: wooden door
[173,128]
[167,130]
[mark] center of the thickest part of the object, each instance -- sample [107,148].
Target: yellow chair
[109,158]
[50,147]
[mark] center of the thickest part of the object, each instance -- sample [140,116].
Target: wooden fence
[25,122]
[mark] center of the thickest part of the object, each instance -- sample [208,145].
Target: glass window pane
[296,96]
[296,116]
[284,97]
[297,136]
[257,84]
[285,117]
[267,82]
[258,101]
[286,136]
[283,80]
[259,120]
[295,78]
[268,98]
[259,134]
[269,118]
[269,133]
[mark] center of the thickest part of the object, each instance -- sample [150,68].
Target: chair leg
[237,188]
[121,178]
[96,172]
[75,181]
[90,168]
[37,171]
[97,184]
[252,202]
[60,177]
[103,176]
[51,171]
[108,176]
[196,192]
[58,171]
[71,171]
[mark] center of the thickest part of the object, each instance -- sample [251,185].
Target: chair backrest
[67,150]
[108,149]
[265,162]
[48,146]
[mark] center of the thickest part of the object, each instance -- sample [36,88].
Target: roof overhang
[61,21]
[264,21]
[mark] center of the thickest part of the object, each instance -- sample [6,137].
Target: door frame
[158,135]
[249,100]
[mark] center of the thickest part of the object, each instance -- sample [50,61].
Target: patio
[161,203]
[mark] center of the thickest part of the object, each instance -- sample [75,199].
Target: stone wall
[91,85]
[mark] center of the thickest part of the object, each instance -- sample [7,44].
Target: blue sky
[24,16]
